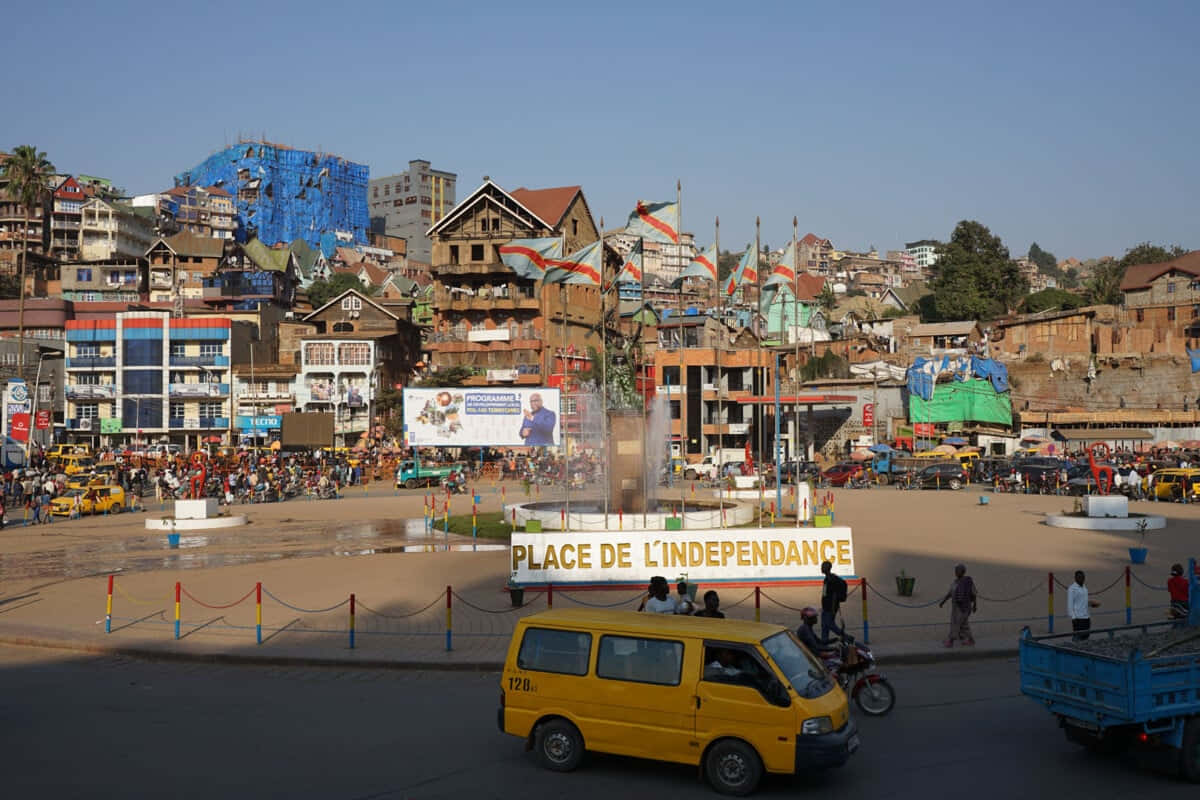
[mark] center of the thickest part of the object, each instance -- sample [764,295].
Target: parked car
[94,500]
[792,471]
[947,475]
[842,473]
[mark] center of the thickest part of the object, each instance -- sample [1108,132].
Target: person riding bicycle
[808,637]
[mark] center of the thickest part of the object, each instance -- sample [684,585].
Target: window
[83,274]
[318,353]
[625,658]
[211,409]
[87,410]
[453,254]
[44,393]
[477,252]
[1141,315]
[355,354]
[142,381]
[87,379]
[574,227]
[210,349]
[675,409]
[176,410]
[87,351]
[351,303]
[1171,287]
[1171,314]
[178,350]
[1195,311]
[564,652]
[343,327]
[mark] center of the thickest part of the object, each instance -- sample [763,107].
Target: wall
[1146,382]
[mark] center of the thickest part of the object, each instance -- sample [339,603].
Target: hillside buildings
[408,203]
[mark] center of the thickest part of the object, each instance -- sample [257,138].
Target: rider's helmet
[809,615]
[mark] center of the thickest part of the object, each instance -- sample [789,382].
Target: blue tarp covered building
[281,194]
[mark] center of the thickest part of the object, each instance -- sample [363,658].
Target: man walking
[833,594]
[1079,607]
[963,603]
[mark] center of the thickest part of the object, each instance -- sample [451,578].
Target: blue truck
[1132,686]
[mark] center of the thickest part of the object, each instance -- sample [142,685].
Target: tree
[827,299]
[27,170]
[321,292]
[1050,299]
[1046,262]
[726,263]
[974,277]
[449,376]
[1105,285]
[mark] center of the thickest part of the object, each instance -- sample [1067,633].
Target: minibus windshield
[804,672]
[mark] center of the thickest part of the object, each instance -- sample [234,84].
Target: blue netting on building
[282,194]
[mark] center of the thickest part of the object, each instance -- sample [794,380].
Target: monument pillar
[626,487]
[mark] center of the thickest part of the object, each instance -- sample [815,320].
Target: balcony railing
[199,423]
[528,333]
[91,391]
[199,361]
[91,362]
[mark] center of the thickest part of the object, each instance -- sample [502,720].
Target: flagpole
[562,296]
[607,488]
[796,367]
[670,462]
[720,347]
[758,330]
[642,369]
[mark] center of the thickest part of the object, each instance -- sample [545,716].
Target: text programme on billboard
[455,417]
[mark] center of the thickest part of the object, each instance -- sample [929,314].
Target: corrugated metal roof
[944,329]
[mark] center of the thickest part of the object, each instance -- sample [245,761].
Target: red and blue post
[1050,610]
[866,624]
[352,620]
[258,612]
[449,618]
[108,607]
[178,594]
[1128,598]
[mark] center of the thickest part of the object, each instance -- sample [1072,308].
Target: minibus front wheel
[558,744]
[733,767]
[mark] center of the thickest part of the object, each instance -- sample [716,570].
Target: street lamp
[43,353]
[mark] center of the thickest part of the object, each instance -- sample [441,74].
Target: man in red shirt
[1177,587]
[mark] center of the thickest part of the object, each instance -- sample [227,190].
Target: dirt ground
[311,555]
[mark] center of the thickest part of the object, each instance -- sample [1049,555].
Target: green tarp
[965,401]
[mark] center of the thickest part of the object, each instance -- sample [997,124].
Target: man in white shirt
[1079,607]
[659,600]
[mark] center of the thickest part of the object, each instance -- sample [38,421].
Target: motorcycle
[454,486]
[853,666]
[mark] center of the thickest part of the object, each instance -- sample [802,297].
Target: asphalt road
[73,726]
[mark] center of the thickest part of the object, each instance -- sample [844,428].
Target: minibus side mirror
[777,694]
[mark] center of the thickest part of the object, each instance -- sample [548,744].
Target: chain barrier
[198,601]
[483,610]
[783,605]
[739,602]
[137,602]
[1148,586]
[267,592]
[370,610]
[577,601]
[885,598]
[1119,578]
[1035,588]
[1060,584]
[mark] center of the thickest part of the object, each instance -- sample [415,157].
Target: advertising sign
[868,414]
[246,423]
[464,416]
[19,426]
[306,430]
[731,554]
[111,425]
[321,390]
[42,420]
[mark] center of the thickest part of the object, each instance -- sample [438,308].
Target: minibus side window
[626,658]
[735,665]
[547,650]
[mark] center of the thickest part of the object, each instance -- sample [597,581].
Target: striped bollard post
[514,516]
[1050,601]
[474,520]
[1128,598]
[108,607]
[757,604]
[258,612]
[620,519]
[446,517]
[178,594]
[449,618]
[866,625]
[562,513]
[549,595]
[352,620]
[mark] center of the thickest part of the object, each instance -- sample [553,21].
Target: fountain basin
[1083,522]
[589,516]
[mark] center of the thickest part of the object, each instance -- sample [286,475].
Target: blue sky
[1069,124]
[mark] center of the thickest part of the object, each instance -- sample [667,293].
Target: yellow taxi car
[92,500]
[1170,483]
[75,465]
[60,450]
[732,697]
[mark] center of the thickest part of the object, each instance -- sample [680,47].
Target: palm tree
[26,171]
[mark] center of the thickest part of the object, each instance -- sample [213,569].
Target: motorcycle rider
[808,637]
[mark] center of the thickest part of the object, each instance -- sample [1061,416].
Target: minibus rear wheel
[559,746]
[733,767]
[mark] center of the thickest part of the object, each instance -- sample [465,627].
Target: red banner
[19,429]
[42,420]
[923,429]
[868,414]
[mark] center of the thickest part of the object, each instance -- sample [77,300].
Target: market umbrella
[970,449]
[860,455]
[212,439]
[1190,444]
[945,448]
[1034,439]
[1169,444]
[954,440]
[880,448]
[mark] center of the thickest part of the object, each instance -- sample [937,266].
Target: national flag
[785,270]
[528,257]
[704,266]
[658,222]
[583,266]
[746,272]
[631,270]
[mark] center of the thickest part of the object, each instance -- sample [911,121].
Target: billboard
[307,430]
[467,416]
